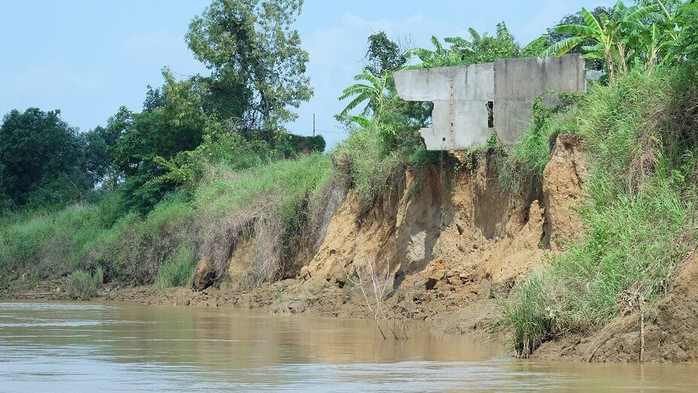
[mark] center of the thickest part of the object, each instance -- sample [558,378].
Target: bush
[82,285]
[369,166]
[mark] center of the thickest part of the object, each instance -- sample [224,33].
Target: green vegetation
[177,270]
[82,285]
[276,203]
[638,215]
[639,133]
[128,199]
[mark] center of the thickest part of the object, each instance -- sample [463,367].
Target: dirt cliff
[441,246]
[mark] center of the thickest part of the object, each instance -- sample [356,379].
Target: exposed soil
[441,248]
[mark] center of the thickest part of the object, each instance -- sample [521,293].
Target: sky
[89,57]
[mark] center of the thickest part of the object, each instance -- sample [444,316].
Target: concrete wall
[460,95]
[519,81]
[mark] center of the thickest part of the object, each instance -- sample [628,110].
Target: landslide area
[442,246]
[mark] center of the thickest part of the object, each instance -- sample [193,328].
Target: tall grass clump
[134,248]
[83,285]
[638,215]
[46,244]
[369,167]
[177,269]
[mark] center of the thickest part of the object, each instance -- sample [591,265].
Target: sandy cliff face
[440,246]
[446,241]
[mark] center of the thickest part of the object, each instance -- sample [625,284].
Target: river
[88,347]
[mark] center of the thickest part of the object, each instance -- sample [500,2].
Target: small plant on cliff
[523,165]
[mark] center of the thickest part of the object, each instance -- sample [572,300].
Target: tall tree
[175,124]
[258,66]
[40,159]
[383,55]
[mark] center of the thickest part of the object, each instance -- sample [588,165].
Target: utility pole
[313,124]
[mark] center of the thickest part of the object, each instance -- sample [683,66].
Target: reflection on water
[87,347]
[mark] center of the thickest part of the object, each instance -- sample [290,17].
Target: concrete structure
[472,102]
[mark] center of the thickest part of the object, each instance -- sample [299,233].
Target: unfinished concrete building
[472,102]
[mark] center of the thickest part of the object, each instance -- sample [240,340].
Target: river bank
[444,251]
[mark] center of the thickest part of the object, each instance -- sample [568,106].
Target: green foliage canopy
[41,159]
[258,66]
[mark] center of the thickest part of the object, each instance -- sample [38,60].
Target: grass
[271,204]
[275,203]
[638,217]
[177,270]
[370,168]
[83,285]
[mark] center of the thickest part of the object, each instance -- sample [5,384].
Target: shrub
[82,285]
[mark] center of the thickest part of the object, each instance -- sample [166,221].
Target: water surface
[86,347]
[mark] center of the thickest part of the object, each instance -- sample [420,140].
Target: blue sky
[89,57]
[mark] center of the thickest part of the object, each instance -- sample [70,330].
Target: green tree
[144,140]
[383,55]
[41,161]
[98,158]
[258,66]
[687,39]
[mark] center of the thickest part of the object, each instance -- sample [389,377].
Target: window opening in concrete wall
[490,114]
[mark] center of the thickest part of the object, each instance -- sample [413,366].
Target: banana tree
[439,57]
[626,32]
[601,31]
[371,89]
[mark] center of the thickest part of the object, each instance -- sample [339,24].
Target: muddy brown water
[87,347]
